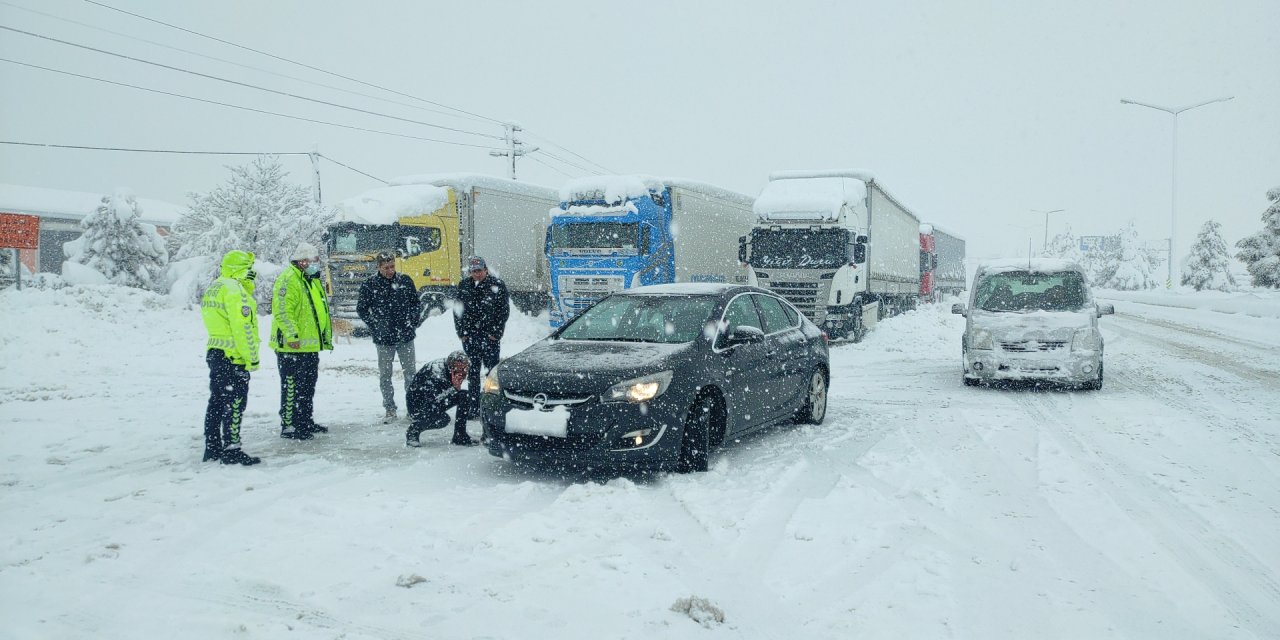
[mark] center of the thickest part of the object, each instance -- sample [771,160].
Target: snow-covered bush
[1065,246]
[118,246]
[1209,265]
[1133,268]
[1261,251]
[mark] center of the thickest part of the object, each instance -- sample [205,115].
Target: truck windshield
[668,319]
[365,238]
[1029,291]
[614,236]
[799,248]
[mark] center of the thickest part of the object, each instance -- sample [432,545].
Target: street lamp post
[1045,247]
[1173,181]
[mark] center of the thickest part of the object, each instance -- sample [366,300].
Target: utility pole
[314,154]
[515,146]
[1045,247]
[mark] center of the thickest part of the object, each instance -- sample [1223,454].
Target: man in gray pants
[389,306]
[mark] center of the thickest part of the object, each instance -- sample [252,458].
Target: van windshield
[1030,291]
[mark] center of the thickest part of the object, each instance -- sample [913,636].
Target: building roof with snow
[75,205]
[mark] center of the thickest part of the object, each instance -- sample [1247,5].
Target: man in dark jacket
[434,389]
[389,306]
[480,318]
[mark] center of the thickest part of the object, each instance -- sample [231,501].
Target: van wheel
[815,403]
[695,445]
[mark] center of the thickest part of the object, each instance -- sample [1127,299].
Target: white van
[1032,320]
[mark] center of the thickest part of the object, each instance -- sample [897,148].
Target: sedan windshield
[667,319]
[1028,291]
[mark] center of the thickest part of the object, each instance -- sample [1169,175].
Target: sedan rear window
[666,319]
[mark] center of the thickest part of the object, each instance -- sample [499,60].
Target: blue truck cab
[617,232]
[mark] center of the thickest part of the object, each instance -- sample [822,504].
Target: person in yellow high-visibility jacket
[231,317]
[300,329]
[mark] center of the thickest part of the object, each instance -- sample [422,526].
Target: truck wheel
[815,403]
[695,445]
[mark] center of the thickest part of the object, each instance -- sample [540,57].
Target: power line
[236,106]
[555,169]
[187,152]
[301,64]
[241,65]
[245,84]
[569,162]
[571,152]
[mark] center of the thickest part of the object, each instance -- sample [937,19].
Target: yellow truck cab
[433,223]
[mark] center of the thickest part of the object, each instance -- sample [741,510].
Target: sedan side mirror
[1106,309]
[959,309]
[744,334]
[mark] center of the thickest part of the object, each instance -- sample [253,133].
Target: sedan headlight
[489,384]
[641,389]
[981,340]
[1084,340]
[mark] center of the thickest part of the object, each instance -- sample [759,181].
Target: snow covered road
[921,508]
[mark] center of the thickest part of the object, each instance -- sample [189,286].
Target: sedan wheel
[695,447]
[815,404]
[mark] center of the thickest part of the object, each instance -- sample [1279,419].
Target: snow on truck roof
[1035,265]
[617,189]
[386,205]
[811,195]
[929,227]
[468,181]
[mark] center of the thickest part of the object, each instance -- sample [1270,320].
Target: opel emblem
[540,402]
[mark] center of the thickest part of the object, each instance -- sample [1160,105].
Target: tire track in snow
[1199,547]
[1269,379]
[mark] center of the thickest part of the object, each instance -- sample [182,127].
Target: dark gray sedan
[656,377]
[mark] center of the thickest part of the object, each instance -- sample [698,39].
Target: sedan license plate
[539,423]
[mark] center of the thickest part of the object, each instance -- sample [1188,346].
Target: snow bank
[1258,304]
[386,205]
[76,273]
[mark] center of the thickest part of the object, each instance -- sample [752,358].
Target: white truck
[433,223]
[837,246]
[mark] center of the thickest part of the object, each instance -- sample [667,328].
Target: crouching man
[435,389]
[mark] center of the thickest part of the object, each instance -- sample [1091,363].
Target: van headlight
[642,389]
[1084,340]
[981,340]
[489,384]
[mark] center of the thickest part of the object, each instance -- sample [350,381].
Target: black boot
[297,434]
[211,454]
[315,428]
[411,438]
[461,438]
[237,456]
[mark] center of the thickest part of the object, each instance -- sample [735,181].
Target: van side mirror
[958,309]
[1106,309]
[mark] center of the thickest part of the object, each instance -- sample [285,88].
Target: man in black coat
[480,318]
[389,306]
[434,389]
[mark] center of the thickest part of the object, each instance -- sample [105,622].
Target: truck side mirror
[859,252]
[958,309]
[742,249]
[546,243]
[862,240]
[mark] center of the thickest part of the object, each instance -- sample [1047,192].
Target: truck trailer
[616,232]
[941,263]
[433,223]
[837,246]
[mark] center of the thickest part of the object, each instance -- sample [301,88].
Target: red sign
[19,231]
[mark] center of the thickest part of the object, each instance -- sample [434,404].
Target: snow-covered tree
[1064,245]
[1261,251]
[256,210]
[1133,269]
[1100,262]
[118,246]
[1209,265]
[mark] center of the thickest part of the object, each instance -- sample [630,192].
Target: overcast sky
[971,113]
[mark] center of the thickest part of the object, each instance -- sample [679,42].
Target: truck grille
[1029,346]
[804,295]
[347,276]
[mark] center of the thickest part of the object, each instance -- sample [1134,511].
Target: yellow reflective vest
[231,317]
[299,313]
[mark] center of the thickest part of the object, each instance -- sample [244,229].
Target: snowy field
[920,509]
